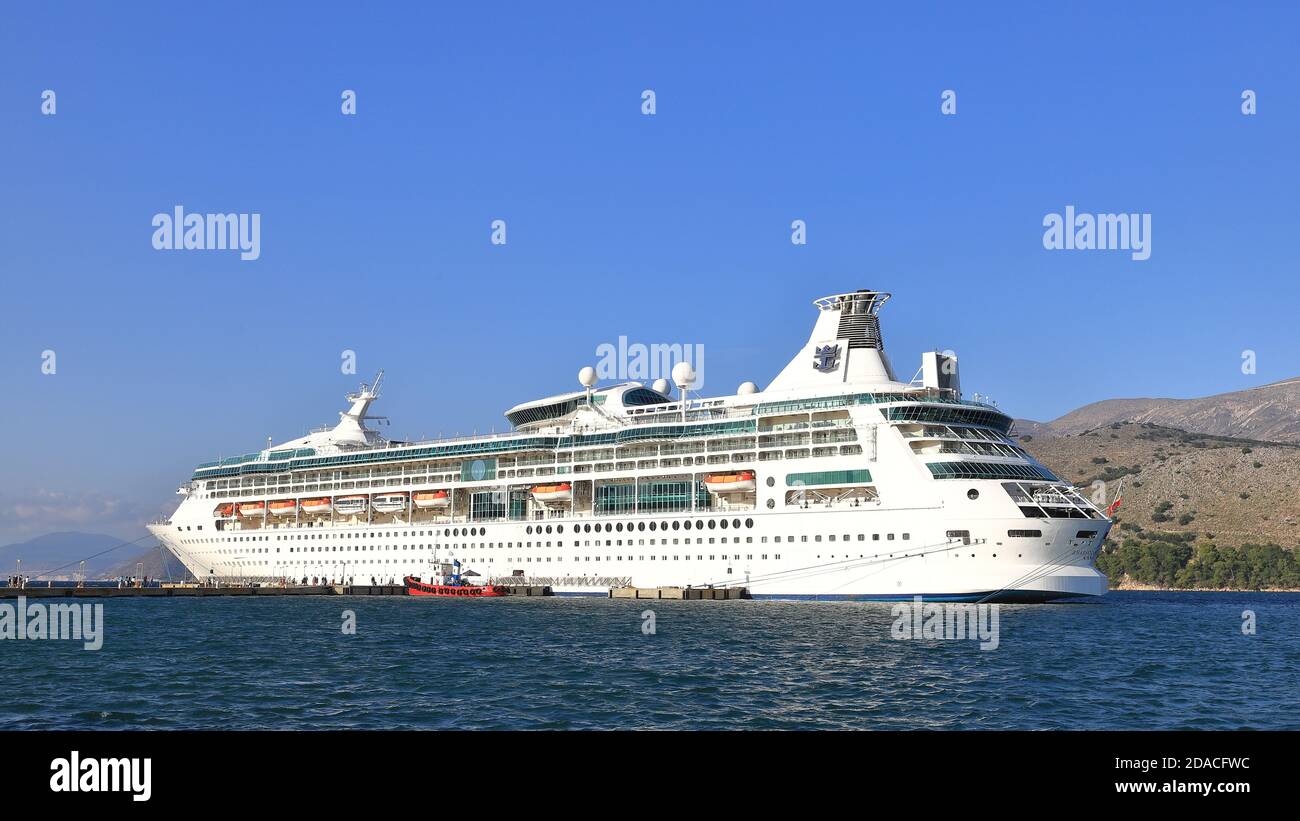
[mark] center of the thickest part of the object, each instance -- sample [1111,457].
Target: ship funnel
[858,317]
[845,346]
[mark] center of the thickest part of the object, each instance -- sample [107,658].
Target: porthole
[771,503]
[619,527]
[724,524]
[640,525]
[735,523]
[676,525]
[972,494]
[713,523]
[749,523]
[771,481]
[559,528]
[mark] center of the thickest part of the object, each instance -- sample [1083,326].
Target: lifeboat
[388,503]
[553,493]
[431,499]
[462,590]
[350,505]
[252,508]
[730,482]
[314,506]
[283,507]
[225,511]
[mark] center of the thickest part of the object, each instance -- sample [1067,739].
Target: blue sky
[666,228]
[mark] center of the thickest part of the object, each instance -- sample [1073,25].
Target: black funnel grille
[858,321]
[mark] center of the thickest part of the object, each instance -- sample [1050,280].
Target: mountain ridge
[1269,413]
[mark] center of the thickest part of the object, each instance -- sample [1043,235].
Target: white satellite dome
[660,386]
[587,376]
[683,374]
[746,388]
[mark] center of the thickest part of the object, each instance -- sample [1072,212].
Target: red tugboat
[418,588]
[455,587]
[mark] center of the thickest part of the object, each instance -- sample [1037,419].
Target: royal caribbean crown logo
[826,358]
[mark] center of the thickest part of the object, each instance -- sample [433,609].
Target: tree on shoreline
[1174,562]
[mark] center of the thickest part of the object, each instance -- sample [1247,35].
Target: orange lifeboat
[562,492]
[225,510]
[730,482]
[252,508]
[431,499]
[283,507]
[314,507]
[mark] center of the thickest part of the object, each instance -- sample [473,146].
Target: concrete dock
[680,593]
[193,591]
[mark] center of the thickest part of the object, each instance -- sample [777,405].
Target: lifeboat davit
[251,508]
[389,503]
[350,505]
[562,492]
[225,511]
[730,482]
[315,506]
[431,499]
[283,507]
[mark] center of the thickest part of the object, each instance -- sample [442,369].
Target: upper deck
[703,418]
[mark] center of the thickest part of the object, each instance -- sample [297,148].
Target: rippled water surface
[1129,660]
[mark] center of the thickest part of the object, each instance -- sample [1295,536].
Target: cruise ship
[837,480]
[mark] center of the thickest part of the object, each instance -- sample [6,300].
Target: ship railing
[1051,496]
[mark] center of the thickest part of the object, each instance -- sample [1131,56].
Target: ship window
[1024,534]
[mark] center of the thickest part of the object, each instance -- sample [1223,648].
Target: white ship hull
[1057,564]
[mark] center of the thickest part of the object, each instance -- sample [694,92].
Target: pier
[199,591]
[681,593]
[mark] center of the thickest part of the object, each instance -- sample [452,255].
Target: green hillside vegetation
[1173,561]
